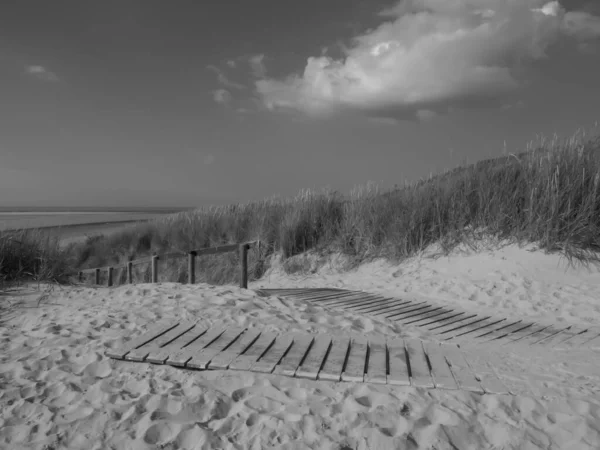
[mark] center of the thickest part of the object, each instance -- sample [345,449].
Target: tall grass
[548,194]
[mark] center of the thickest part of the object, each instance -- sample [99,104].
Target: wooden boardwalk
[447,323]
[401,362]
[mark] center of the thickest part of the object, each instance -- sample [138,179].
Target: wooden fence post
[192,267]
[109,281]
[154,268]
[129,272]
[80,276]
[244,266]
[97,280]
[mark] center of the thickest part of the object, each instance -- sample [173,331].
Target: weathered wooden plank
[357,357]
[371,303]
[468,331]
[429,315]
[419,369]
[334,365]
[452,322]
[442,319]
[317,296]
[408,307]
[314,360]
[593,342]
[419,315]
[440,371]
[464,376]
[460,327]
[421,308]
[160,356]
[252,353]
[357,303]
[271,358]
[569,338]
[484,372]
[223,359]
[500,330]
[202,358]
[139,354]
[529,332]
[376,305]
[358,298]
[185,354]
[579,339]
[291,361]
[399,374]
[540,336]
[151,334]
[555,335]
[377,369]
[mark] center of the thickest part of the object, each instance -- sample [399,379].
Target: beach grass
[548,194]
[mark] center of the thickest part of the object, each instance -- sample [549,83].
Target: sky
[190,103]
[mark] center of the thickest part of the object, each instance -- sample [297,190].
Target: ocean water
[15,218]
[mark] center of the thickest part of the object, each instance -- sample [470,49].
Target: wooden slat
[202,358]
[429,315]
[464,376]
[370,303]
[553,334]
[419,369]
[500,330]
[223,359]
[540,336]
[469,331]
[420,315]
[252,353]
[440,371]
[140,353]
[377,369]
[269,360]
[356,303]
[153,333]
[185,354]
[593,342]
[303,295]
[380,304]
[571,338]
[413,306]
[532,331]
[442,319]
[359,298]
[357,357]
[291,361]
[459,327]
[334,365]
[395,304]
[452,322]
[399,374]
[397,315]
[485,374]
[314,360]
[317,296]
[580,339]
[161,355]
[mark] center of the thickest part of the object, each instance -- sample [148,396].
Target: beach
[59,390]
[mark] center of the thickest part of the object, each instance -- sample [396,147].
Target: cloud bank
[429,57]
[41,73]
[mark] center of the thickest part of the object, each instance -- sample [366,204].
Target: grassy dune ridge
[548,194]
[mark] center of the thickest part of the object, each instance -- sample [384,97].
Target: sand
[58,390]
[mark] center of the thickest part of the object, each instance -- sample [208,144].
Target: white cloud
[41,73]
[223,80]
[257,65]
[430,57]
[222,96]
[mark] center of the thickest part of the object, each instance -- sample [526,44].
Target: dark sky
[156,103]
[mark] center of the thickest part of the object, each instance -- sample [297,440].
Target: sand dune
[58,390]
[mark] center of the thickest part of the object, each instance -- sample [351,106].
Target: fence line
[192,255]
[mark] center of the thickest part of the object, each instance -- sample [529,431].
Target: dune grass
[548,194]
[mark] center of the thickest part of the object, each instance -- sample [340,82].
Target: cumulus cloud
[257,65]
[222,96]
[223,80]
[41,73]
[429,57]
